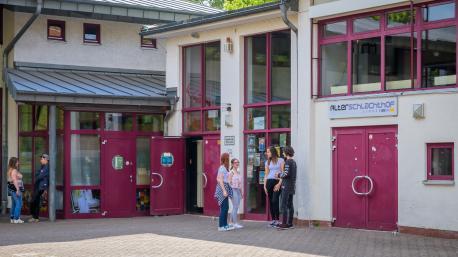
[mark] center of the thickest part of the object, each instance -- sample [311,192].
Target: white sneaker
[229,227]
[11,221]
[225,228]
[237,226]
[18,221]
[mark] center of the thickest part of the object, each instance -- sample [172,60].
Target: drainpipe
[285,5]
[173,103]
[6,53]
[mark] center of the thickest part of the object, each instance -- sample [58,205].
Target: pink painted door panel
[167,176]
[211,164]
[118,173]
[365,177]
[351,163]
[382,160]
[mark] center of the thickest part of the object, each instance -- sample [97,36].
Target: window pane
[366,65]
[439,57]
[256,69]
[91,31]
[441,161]
[255,173]
[85,201]
[256,118]
[55,31]
[60,119]
[60,161]
[439,12]
[366,24]
[25,118]
[395,19]
[280,116]
[280,139]
[85,160]
[398,61]
[84,120]
[334,69]
[192,121]
[143,161]
[281,66]
[212,120]
[335,29]
[40,147]
[142,199]
[25,159]
[193,75]
[150,123]
[213,74]
[118,121]
[41,117]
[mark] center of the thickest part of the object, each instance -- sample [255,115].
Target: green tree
[212,3]
[237,4]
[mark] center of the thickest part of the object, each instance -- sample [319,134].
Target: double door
[365,177]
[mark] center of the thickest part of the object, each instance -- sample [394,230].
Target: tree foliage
[230,4]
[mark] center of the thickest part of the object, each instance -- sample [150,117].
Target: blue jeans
[16,205]
[224,208]
[236,198]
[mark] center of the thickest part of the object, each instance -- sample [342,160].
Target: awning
[63,86]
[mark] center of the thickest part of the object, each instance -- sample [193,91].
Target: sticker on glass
[167,159]
[117,162]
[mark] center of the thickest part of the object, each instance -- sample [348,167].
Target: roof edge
[212,18]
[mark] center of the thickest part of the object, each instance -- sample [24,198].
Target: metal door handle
[361,177]
[131,179]
[162,180]
[206,179]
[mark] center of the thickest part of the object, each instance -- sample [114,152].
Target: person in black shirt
[40,187]
[288,185]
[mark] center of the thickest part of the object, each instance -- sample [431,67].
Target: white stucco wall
[120,47]
[232,76]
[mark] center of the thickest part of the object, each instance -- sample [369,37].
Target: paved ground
[197,236]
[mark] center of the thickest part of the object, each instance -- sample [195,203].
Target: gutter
[6,53]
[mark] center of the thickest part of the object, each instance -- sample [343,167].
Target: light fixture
[228,46]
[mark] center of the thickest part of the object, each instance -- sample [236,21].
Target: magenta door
[365,184]
[167,176]
[211,147]
[118,199]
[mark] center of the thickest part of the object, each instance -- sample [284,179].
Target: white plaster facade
[419,205]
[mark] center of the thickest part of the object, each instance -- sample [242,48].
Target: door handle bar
[162,180]
[362,177]
[206,179]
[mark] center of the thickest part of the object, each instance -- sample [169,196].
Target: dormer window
[56,30]
[91,33]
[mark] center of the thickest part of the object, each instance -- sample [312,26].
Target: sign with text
[229,140]
[373,107]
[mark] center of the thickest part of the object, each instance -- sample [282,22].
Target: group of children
[280,182]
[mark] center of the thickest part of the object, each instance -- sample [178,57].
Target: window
[408,48]
[148,42]
[56,30]
[91,33]
[440,161]
[202,88]
[267,107]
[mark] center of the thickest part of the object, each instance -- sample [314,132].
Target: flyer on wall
[262,144]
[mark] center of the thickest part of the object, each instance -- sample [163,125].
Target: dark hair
[12,164]
[225,160]
[289,151]
[232,162]
[273,155]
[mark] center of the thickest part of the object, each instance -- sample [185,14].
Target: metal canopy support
[52,163]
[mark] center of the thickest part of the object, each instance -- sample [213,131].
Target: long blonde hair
[12,165]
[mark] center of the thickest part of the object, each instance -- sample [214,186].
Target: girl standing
[236,183]
[223,192]
[273,166]
[15,188]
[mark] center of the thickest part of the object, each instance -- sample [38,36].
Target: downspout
[6,53]
[173,103]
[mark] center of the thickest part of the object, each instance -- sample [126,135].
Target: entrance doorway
[365,177]
[202,162]
[119,180]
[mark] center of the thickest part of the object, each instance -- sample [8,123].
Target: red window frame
[98,33]
[203,108]
[268,104]
[418,26]
[59,23]
[429,148]
[153,43]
